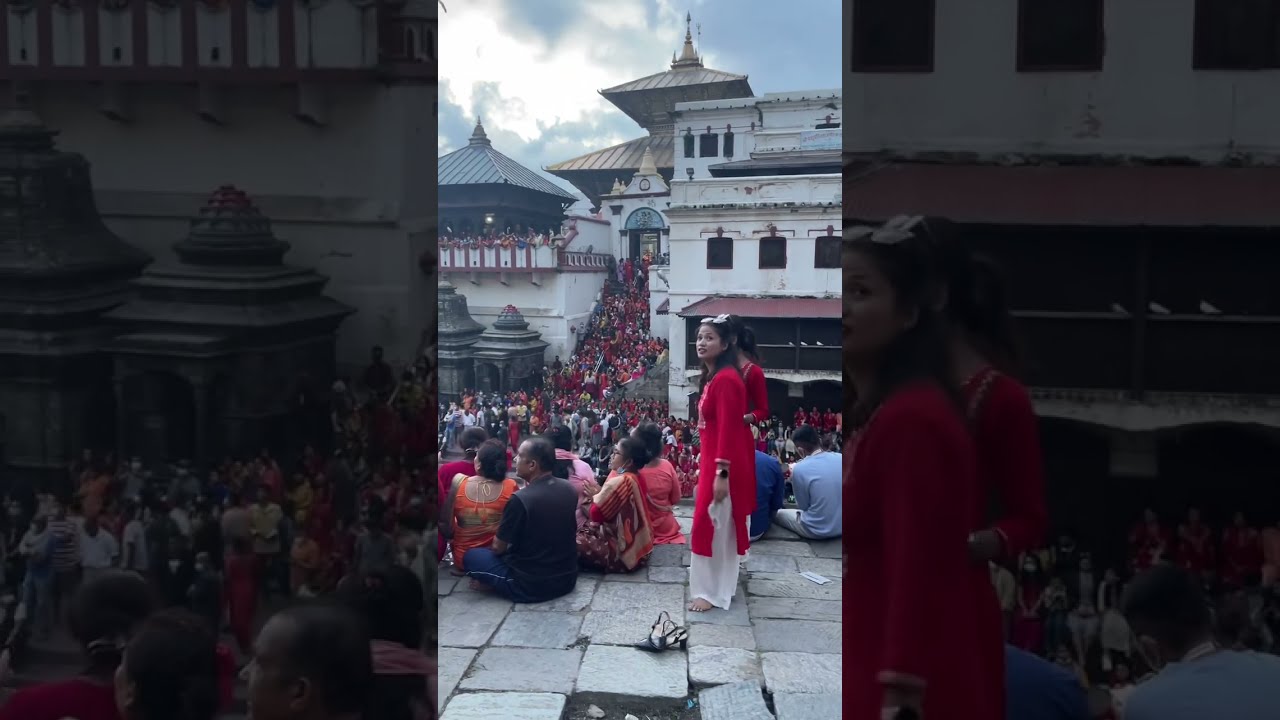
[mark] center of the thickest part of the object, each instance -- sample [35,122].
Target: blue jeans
[486,566]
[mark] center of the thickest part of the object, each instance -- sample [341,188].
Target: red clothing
[1195,548]
[915,604]
[513,432]
[1241,554]
[757,392]
[1148,545]
[77,698]
[444,479]
[242,598]
[720,411]
[1010,466]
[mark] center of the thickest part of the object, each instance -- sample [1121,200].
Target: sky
[530,69]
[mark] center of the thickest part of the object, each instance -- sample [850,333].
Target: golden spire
[688,56]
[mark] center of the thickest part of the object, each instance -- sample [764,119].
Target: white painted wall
[659,292]
[562,300]
[1147,101]
[351,198]
[786,114]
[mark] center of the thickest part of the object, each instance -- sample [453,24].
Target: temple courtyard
[774,654]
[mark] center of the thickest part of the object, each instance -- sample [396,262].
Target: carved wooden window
[826,253]
[708,144]
[773,253]
[1060,35]
[1237,35]
[892,36]
[719,253]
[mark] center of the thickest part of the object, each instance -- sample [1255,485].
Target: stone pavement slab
[445,583]
[668,556]
[627,626]
[794,609]
[573,602]
[772,563]
[620,596]
[523,670]
[781,547]
[792,706]
[807,673]
[777,532]
[798,636]
[823,566]
[469,620]
[634,673]
[539,630]
[737,614]
[638,576]
[731,636]
[739,701]
[710,665]
[454,663]
[505,705]
[827,549]
[669,574]
[793,586]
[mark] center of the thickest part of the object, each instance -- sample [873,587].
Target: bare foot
[479,586]
[700,605]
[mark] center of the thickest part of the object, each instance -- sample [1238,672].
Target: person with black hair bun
[913,493]
[469,441]
[619,538]
[393,605]
[574,469]
[103,615]
[473,505]
[752,374]
[169,670]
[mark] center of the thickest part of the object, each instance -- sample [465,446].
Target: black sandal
[664,635]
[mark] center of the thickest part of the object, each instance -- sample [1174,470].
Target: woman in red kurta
[912,494]
[1149,542]
[726,471]
[242,594]
[1195,545]
[1241,553]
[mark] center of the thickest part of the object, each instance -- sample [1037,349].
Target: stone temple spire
[478,136]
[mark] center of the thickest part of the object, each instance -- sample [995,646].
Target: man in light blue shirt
[818,488]
[770,489]
[1201,680]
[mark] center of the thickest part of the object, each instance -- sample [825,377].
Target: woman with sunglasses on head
[912,499]
[726,491]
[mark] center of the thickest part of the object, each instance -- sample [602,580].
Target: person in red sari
[726,472]
[1241,553]
[1195,545]
[752,375]
[911,500]
[242,593]
[1149,542]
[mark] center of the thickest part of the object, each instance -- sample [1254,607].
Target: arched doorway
[160,417]
[644,232]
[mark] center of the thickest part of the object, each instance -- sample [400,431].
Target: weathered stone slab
[469,620]
[710,665]
[573,602]
[781,547]
[445,582]
[793,586]
[506,705]
[792,706]
[627,626]
[731,636]
[667,556]
[686,525]
[738,701]
[620,596]
[669,574]
[828,567]
[737,613]
[798,636]
[808,673]
[772,563]
[639,576]
[453,665]
[524,670]
[794,609]
[634,673]
[777,532]
[827,549]
[539,630]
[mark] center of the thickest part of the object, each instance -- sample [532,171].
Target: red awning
[752,307]
[1068,195]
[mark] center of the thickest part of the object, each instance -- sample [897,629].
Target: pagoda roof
[623,156]
[479,164]
[680,78]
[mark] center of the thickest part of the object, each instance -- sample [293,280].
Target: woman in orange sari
[473,506]
[661,487]
[619,538]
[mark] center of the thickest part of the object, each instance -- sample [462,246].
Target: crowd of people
[941,432]
[231,541]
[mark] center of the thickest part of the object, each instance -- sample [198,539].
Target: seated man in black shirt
[535,555]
